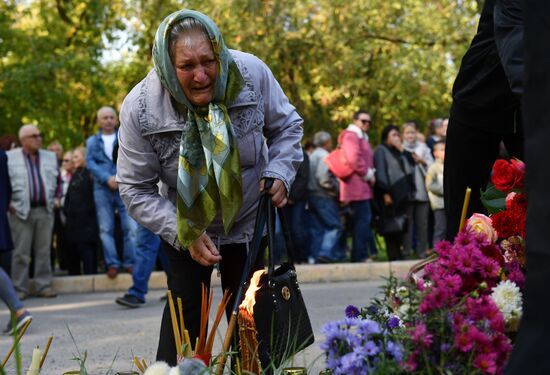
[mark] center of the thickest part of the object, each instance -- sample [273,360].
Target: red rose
[508,175]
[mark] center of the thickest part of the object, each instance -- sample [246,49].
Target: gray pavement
[103,328]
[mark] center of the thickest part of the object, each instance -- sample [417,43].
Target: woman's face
[78,159]
[394,139]
[67,163]
[409,134]
[196,69]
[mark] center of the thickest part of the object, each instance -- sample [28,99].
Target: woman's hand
[278,192]
[204,252]
[387,200]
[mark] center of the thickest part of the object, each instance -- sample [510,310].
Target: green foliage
[64,59]
[493,199]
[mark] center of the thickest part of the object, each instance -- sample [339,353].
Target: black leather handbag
[393,224]
[280,314]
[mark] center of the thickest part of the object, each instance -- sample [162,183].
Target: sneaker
[112,272]
[46,293]
[19,323]
[130,301]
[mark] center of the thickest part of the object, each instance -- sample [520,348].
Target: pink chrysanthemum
[486,362]
[421,336]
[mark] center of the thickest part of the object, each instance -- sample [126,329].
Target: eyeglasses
[35,136]
[366,121]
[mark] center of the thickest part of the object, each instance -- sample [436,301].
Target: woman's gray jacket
[268,131]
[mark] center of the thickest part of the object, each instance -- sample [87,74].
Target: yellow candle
[35,363]
[465,208]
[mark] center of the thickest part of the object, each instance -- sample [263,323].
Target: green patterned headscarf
[209,171]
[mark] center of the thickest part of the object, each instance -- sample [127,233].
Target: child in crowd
[434,185]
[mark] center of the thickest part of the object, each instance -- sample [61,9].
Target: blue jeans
[7,293]
[362,235]
[326,228]
[147,250]
[107,203]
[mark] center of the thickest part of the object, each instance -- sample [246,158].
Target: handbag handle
[271,236]
[266,216]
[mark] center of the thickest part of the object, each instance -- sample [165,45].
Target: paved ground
[102,328]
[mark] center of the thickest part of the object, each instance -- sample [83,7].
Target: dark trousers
[185,279]
[394,243]
[469,157]
[530,355]
[81,258]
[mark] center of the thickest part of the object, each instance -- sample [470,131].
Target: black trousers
[469,157]
[185,279]
[530,355]
[394,243]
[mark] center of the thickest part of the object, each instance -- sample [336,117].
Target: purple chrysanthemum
[352,311]
[393,322]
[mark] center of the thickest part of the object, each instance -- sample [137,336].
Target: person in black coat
[486,107]
[6,243]
[530,354]
[81,226]
[393,191]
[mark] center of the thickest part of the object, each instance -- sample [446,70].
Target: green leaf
[493,199]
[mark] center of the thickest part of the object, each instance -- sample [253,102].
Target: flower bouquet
[359,345]
[454,316]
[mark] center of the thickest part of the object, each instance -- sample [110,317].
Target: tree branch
[411,42]
[62,13]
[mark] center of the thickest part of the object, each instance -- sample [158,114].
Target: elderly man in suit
[34,175]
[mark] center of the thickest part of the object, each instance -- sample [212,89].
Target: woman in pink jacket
[356,190]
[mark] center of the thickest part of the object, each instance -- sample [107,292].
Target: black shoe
[130,301]
[324,260]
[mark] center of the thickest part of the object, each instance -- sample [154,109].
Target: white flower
[402,292]
[508,297]
[158,368]
[403,310]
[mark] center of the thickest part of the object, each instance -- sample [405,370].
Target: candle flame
[250,295]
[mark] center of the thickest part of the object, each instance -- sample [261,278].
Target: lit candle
[465,208]
[35,363]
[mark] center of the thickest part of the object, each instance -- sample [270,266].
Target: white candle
[35,363]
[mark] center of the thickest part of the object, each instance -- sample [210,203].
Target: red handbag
[338,164]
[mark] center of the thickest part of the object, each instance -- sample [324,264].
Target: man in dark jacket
[486,107]
[530,355]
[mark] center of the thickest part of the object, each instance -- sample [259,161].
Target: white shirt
[108,142]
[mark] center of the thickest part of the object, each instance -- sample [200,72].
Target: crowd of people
[63,211]
[395,191]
